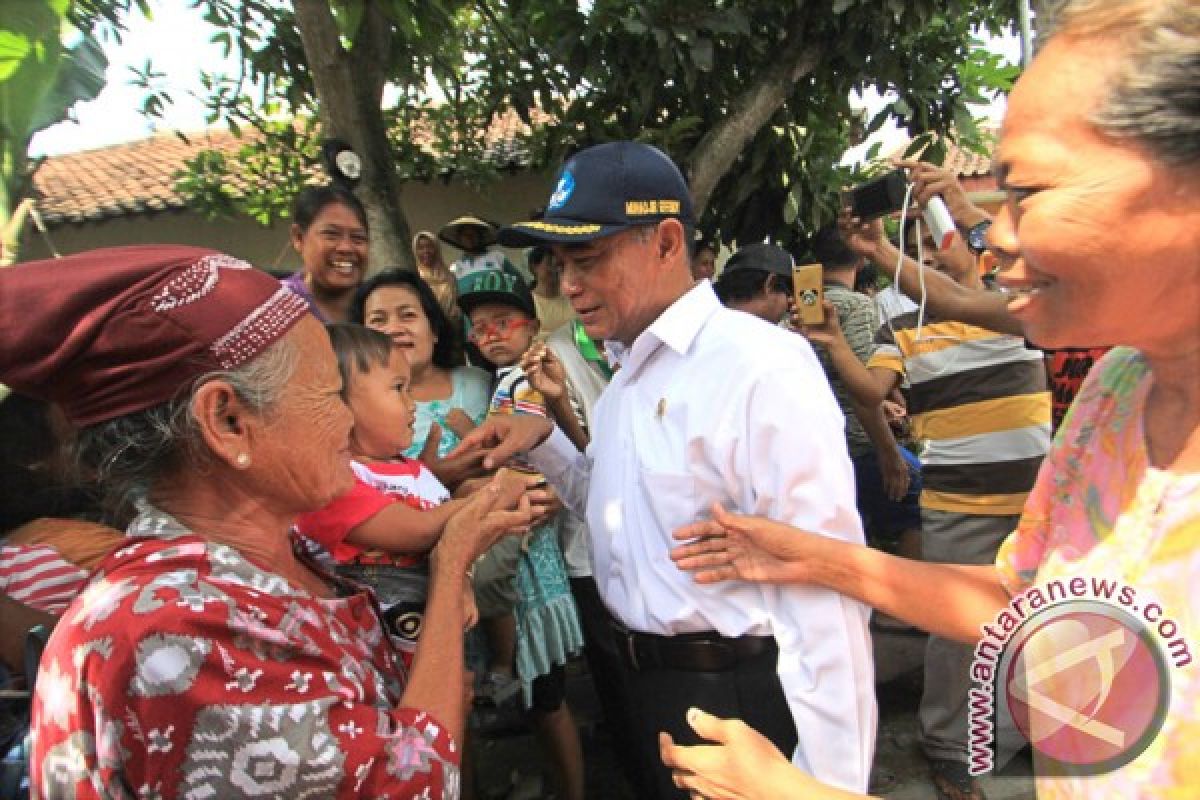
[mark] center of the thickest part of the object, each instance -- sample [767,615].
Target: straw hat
[451,232]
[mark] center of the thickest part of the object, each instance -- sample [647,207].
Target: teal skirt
[548,630]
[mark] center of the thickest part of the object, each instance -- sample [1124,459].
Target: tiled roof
[118,181]
[973,169]
[138,177]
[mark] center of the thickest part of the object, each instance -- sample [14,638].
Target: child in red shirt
[381,531]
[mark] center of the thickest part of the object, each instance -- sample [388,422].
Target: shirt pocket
[671,497]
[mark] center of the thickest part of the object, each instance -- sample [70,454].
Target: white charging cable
[920,259]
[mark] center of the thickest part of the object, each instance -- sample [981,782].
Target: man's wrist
[968,216]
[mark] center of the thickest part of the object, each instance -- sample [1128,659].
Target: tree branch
[532,55]
[719,148]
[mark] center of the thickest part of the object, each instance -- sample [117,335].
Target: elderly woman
[1099,243]
[329,231]
[450,399]
[208,657]
[427,254]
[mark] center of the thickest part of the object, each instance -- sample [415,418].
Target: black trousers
[608,679]
[657,699]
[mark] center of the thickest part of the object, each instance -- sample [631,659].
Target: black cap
[766,257]
[603,190]
[495,286]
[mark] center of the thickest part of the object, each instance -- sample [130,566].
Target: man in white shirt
[707,406]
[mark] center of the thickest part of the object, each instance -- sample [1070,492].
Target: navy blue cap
[767,257]
[495,286]
[603,190]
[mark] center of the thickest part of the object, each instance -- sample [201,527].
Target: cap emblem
[562,192]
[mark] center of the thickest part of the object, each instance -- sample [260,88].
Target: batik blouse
[186,670]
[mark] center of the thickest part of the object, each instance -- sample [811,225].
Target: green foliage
[40,81]
[272,101]
[639,69]
[668,72]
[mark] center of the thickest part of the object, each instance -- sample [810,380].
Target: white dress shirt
[586,383]
[713,405]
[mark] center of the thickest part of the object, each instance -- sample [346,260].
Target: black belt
[690,652]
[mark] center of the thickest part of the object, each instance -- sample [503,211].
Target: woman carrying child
[380,532]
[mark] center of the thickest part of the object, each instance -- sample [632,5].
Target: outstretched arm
[546,374]
[869,387]
[435,681]
[929,180]
[456,467]
[397,528]
[944,296]
[949,600]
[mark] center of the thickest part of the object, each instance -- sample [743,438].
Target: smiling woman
[451,399]
[329,231]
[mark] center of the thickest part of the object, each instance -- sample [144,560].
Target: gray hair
[127,455]
[644,231]
[1155,95]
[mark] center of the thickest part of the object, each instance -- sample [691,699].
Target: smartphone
[878,197]
[807,287]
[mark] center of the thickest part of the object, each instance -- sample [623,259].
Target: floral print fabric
[185,670]
[1099,509]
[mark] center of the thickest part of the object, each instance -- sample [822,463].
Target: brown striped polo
[979,400]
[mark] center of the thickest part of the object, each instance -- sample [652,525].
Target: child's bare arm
[564,416]
[546,374]
[398,528]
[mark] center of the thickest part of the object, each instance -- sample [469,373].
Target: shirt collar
[676,327]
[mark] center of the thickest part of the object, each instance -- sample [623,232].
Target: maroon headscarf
[109,332]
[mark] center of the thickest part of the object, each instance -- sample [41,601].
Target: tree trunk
[719,148]
[349,93]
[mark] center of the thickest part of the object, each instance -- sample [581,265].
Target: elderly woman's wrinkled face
[1099,240]
[333,248]
[301,459]
[397,311]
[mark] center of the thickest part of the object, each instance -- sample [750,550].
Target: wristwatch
[977,236]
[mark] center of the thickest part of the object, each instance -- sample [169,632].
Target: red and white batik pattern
[184,670]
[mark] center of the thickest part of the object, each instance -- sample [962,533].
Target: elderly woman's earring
[242,460]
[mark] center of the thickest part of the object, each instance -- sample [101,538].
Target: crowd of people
[288,533]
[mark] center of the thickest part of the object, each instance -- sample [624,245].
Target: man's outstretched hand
[501,438]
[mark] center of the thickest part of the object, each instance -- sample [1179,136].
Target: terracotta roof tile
[138,177]
[968,165]
[116,181]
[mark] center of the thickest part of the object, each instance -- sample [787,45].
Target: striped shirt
[39,577]
[979,399]
[858,321]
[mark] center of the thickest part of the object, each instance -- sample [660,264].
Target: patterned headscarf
[109,332]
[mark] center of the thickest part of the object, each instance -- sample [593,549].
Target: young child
[504,323]
[381,530]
